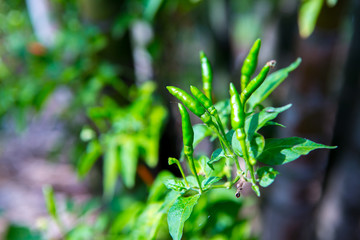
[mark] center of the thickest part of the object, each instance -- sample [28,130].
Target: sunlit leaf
[266,175]
[179,213]
[50,201]
[206,183]
[129,158]
[110,169]
[87,160]
[270,84]
[284,150]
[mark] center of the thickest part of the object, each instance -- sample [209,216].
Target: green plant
[241,141]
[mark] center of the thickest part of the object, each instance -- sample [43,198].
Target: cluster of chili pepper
[201,105]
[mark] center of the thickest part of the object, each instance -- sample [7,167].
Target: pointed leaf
[49,196]
[209,181]
[179,213]
[256,190]
[256,121]
[266,175]
[129,157]
[87,160]
[270,84]
[284,150]
[217,155]
[175,184]
[110,169]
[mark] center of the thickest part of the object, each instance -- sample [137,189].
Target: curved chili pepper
[206,72]
[203,99]
[237,111]
[191,103]
[256,82]
[249,65]
[187,130]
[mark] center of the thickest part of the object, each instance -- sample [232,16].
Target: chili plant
[242,147]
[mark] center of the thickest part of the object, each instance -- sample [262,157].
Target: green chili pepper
[191,103]
[204,100]
[187,130]
[206,75]
[256,82]
[237,111]
[249,65]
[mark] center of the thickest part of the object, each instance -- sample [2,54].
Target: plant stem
[244,148]
[182,174]
[193,168]
[228,149]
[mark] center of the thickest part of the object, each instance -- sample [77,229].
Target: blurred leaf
[179,213]
[308,14]
[151,8]
[331,3]
[129,158]
[15,232]
[148,222]
[201,131]
[50,201]
[158,188]
[284,150]
[125,220]
[110,168]
[266,175]
[270,84]
[87,160]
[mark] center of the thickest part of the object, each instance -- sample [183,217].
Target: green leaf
[266,176]
[206,183]
[179,213]
[129,157]
[284,150]
[148,222]
[87,160]
[201,131]
[256,121]
[175,184]
[110,169]
[158,189]
[270,84]
[272,123]
[48,192]
[308,14]
[151,8]
[331,3]
[256,190]
[255,146]
[217,155]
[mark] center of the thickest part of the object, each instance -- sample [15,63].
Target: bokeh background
[75,75]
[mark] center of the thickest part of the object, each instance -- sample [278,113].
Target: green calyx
[191,103]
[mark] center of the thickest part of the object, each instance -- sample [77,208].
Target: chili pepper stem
[193,168]
[249,167]
[227,146]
